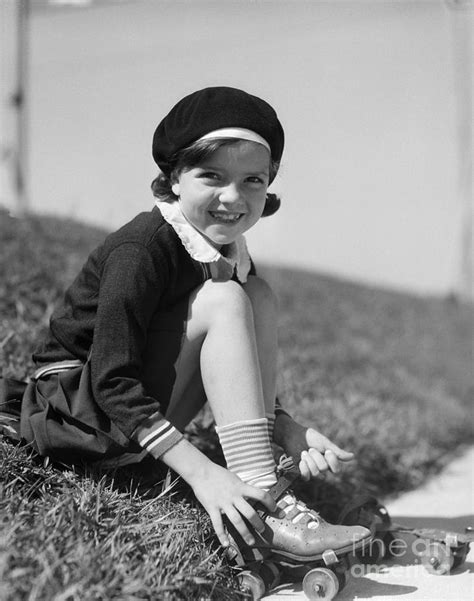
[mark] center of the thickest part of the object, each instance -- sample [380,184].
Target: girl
[169,313]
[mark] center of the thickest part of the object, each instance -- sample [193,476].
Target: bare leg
[265,315]
[220,348]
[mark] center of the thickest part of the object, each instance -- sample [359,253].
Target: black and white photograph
[236,300]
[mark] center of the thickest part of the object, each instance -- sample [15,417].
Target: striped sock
[248,452]
[271,424]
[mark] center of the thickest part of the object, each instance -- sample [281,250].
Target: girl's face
[224,196]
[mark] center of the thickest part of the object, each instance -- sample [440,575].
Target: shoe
[298,533]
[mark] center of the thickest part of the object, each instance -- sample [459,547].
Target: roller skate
[296,544]
[440,551]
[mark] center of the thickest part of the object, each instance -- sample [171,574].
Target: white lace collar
[236,254]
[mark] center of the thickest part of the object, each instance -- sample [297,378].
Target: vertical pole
[462,21]
[8,113]
[20,102]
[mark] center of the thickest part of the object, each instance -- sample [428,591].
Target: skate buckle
[451,539]
[329,557]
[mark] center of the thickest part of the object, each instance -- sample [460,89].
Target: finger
[235,517]
[319,460]
[250,515]
[340,453]
[332,461]
[218,525]
[311,465]
[252,492]
[321,443]
[345,455]
[304,470]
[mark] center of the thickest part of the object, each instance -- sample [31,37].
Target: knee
[261,296]
[222,300]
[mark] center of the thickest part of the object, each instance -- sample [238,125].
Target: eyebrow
[213,167]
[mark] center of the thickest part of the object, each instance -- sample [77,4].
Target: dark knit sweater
[139,271]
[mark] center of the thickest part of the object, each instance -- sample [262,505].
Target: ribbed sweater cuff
[157,435]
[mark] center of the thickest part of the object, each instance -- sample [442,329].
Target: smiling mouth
[222,217]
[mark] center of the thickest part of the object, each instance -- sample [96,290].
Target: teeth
[224,217]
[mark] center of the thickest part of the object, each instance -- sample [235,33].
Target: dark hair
[195,154]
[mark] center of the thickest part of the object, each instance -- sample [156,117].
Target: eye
[212,175]
[254,179]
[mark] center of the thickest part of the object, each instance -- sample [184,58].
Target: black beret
[210,109]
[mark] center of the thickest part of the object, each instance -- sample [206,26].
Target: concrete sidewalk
[447,502]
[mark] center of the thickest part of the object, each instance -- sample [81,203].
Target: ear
[175,189]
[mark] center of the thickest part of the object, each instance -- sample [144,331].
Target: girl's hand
[219,491]
[321,456]
[222,493]
[313,452]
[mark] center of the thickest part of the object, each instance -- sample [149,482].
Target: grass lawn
[385,374]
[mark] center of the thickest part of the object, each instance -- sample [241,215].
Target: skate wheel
[252,584]
[320,583]
[437,559]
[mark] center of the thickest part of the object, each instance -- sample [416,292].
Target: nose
[229,194]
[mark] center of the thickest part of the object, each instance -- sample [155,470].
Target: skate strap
[276,491]
[283,483]
[287,473]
